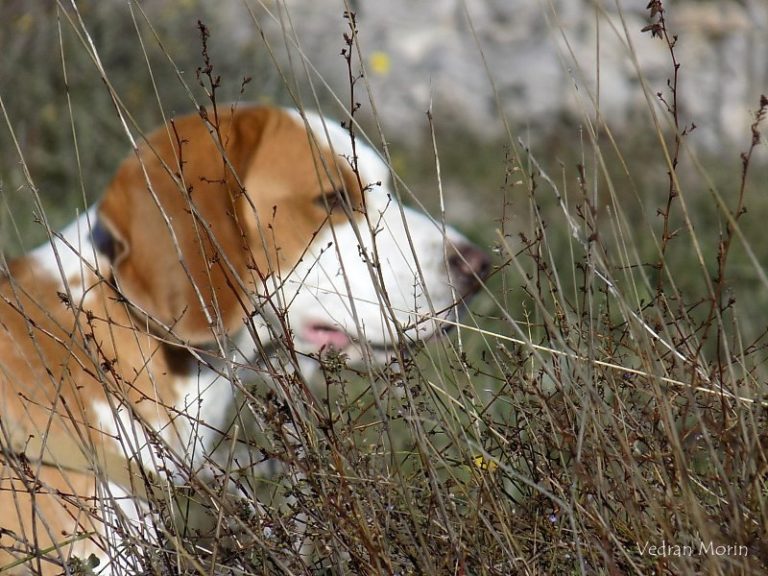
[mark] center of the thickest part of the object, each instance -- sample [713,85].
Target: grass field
[602,408]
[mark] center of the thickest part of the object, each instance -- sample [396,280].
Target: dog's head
[212,211]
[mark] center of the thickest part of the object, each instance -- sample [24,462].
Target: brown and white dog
[221,231]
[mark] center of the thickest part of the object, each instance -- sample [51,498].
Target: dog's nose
[468,266]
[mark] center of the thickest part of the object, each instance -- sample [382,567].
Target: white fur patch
[70,256]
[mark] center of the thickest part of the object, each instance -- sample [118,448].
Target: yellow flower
[380,63]
[485,463]
[24,22]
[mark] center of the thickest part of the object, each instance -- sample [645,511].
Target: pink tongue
[324,336]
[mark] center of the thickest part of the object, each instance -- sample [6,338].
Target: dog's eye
[330,201]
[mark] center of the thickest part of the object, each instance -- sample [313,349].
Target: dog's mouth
[325,337]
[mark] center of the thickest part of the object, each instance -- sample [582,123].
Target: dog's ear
[175,213]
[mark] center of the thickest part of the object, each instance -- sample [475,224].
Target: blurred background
[491,71]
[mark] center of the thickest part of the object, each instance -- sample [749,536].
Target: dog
[222,232]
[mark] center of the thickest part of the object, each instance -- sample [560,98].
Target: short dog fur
[220,231]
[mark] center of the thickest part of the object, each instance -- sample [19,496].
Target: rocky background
[540,63]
